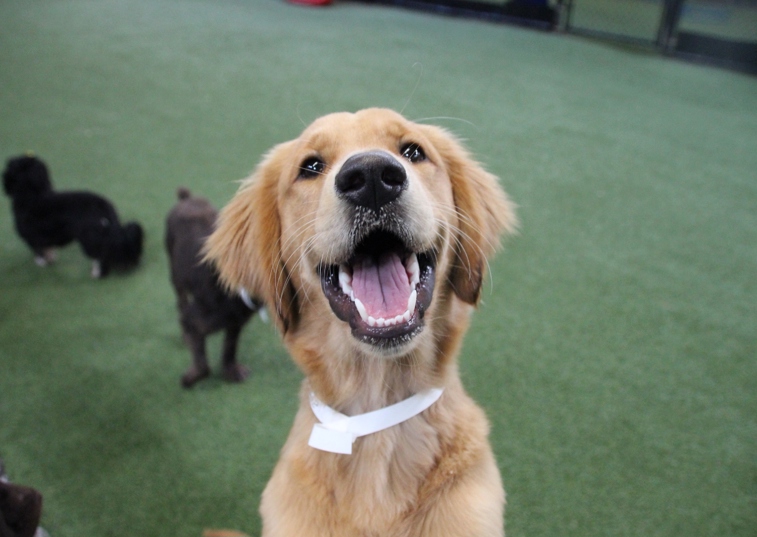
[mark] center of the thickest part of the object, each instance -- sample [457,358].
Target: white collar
[246,298]
[337,432]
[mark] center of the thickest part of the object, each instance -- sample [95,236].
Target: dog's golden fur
[433,475]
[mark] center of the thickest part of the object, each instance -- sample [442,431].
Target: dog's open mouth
[382,291]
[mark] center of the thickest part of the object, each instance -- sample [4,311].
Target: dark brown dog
[204,306]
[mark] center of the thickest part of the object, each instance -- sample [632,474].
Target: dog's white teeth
[413,269]
[382,323]
[362,311]
[371,321]
[345,280]
[411,303]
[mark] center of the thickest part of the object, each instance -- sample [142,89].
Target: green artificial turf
[614,351]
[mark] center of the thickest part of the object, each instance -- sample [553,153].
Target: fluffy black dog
[204,305]
[46,219]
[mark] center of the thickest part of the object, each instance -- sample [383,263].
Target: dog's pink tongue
[382,287]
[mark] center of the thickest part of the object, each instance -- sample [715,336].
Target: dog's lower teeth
[382,323]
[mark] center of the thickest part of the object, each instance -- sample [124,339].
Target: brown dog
[368,237]
[204,305]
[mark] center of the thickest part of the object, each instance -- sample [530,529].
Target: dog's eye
[413,152]
[311,167]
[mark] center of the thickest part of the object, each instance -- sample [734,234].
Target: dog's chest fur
[385,487]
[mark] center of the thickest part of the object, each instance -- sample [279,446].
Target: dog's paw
[193,376]
[235,373]
[47,257]
[96,272]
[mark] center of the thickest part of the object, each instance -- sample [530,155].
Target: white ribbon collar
[336,432]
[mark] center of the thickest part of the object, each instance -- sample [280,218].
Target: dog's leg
[468,503]
[96,272]
[199,368]
[44,257]
[232,370]
[194,337]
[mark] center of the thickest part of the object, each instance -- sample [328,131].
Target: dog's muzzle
[385,285]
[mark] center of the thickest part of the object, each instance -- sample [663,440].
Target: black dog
[204,305]
[46,219]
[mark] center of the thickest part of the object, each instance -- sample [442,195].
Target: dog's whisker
[294,238]
[309,222]
[446,118]
[461,238]
[417,83]
[489,244]
[300,257]
[458,235]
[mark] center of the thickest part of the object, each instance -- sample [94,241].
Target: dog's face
[26,175]
[365,226]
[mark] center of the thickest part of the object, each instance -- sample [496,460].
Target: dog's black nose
[371,179]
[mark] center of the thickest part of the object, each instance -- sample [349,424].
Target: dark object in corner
[20,509]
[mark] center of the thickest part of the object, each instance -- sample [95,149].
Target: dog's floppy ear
[484,214]
[246,247]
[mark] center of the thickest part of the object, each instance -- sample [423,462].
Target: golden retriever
[368,238]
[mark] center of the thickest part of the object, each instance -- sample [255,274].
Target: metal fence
[722,32]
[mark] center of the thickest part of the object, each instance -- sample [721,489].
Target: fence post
[564,9]
[671,15]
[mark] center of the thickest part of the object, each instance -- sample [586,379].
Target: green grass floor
[615,352]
